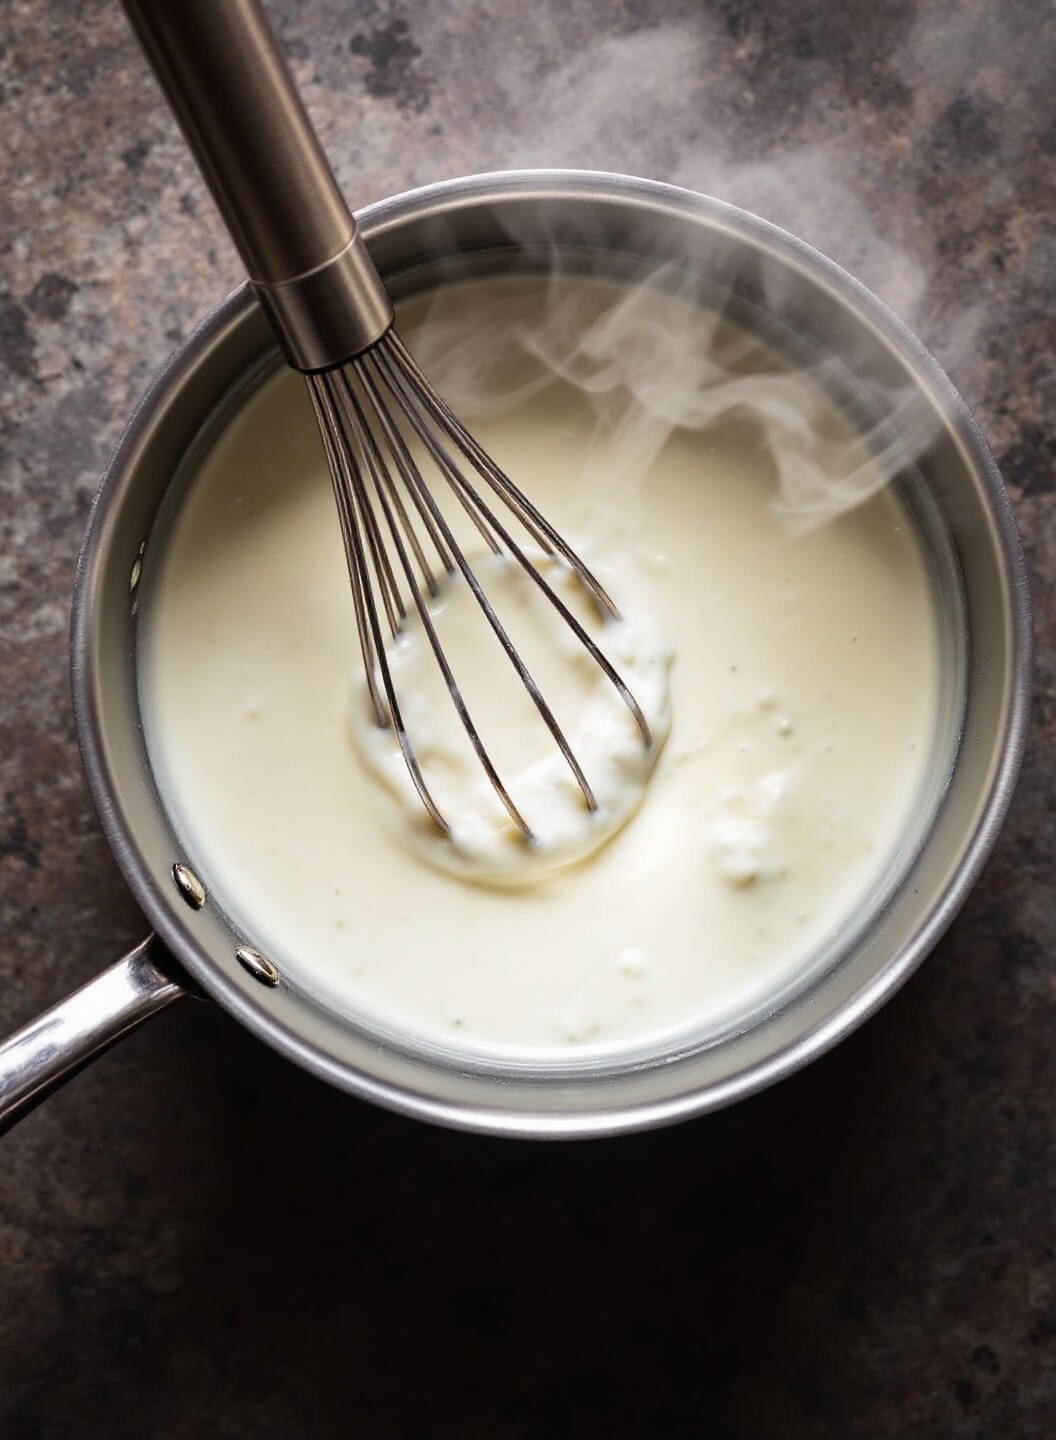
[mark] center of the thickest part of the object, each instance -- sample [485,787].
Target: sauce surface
[803,696]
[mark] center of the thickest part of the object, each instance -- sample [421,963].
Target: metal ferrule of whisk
[223,73]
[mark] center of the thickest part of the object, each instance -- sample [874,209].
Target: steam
[651,359]
[626,102]
[675,101]
[823,150]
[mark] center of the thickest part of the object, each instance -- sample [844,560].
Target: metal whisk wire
[379,487]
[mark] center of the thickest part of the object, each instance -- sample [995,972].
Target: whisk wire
[374,658]
[337,463]
[372,468]
[404,463]
[531,517]
[469,575]
[474,502]
[362,436]
[363,444]
[409,403]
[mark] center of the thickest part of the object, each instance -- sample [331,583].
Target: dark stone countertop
[198,1240]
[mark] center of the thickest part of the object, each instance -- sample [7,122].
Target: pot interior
[802,306]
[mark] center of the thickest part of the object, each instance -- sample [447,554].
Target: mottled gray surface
[196,1240]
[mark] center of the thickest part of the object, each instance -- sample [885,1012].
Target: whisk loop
[391,523]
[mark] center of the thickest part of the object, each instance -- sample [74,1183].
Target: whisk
[222,72]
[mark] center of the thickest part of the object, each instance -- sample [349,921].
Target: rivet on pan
[189,886]
[257,965]
[137,570]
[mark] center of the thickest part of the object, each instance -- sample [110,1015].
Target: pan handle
[37,1059]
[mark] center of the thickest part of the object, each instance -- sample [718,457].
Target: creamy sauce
[802,692]
[617,757]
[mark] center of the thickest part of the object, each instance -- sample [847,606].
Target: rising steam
[651,360]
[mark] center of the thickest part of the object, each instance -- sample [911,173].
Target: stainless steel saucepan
[766,279]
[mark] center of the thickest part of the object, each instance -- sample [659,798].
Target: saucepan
[765,278]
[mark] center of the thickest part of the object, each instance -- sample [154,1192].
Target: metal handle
[37,1059]
[221,70]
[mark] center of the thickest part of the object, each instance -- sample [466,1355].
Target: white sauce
[483,842]
[803,699]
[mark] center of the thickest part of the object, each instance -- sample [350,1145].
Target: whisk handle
[221,70]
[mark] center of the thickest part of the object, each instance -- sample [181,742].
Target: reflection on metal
[189,886]
[257,965]
[55,1045]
